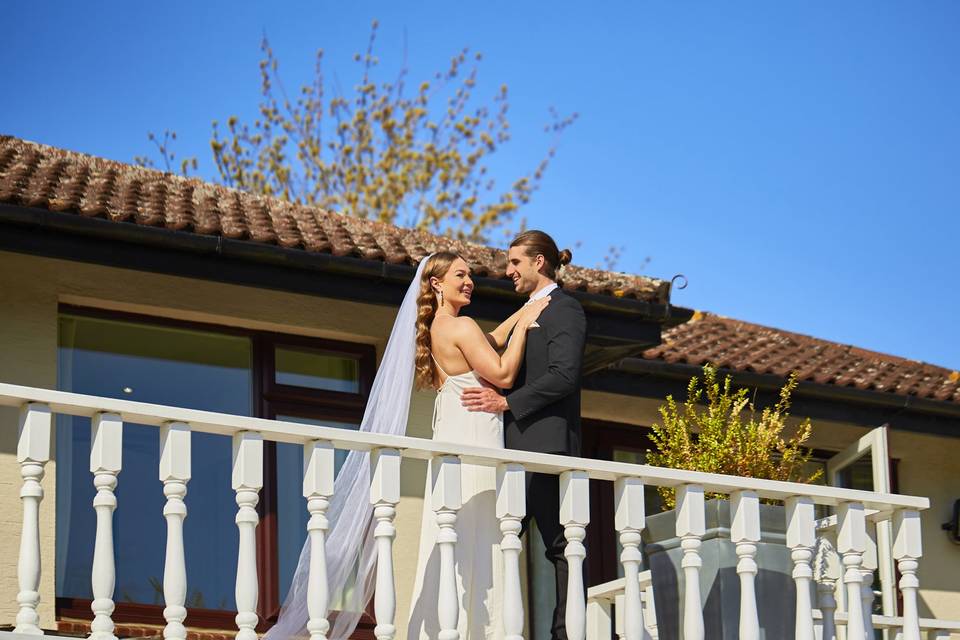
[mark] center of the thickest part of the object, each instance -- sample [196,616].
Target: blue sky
[798,162]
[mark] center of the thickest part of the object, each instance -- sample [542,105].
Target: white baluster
[106,446]
[384,495]
[575,516]
[511,508]
[319,458]
[630,519]
[801,538]
[870,564]
[828,607]
[938,634]
[852,543]
[33,453]
[447,500]
[175,467]
[908,550]
[745,533]
[247,482]
[691,525]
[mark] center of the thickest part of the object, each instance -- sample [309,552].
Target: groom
[542,411]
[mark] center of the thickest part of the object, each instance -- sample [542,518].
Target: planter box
[719,582]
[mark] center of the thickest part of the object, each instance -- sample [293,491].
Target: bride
[452,354]
[428,340]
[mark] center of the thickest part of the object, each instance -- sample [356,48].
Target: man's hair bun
[565,257]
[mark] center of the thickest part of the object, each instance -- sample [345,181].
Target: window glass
[316,369]
[292,513]
[163,365]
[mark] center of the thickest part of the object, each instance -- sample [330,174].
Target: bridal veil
[350,546]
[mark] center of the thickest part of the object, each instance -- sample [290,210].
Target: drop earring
[440,293]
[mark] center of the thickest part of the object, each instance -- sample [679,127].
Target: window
[206,367]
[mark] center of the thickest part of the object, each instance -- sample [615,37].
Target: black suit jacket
[544,403]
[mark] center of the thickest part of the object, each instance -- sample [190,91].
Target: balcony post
[447,498]
[852,543]
[871,562]
[801,538]
[630,520]
[745,533]
[599,620]
[691,526]
[575,516]
[33,453]
[175,466]
[384,495]
[247,481]
[907,550]
[511,508]
[106,447]
[318,463]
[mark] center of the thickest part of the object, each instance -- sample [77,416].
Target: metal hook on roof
[681,278]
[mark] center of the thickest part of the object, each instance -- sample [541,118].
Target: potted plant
[718,429]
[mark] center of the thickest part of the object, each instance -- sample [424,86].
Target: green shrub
[726,434]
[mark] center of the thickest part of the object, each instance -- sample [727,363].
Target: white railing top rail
[63,402]
[896,622]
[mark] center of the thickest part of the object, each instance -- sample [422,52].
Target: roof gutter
[685,371]
[248,251]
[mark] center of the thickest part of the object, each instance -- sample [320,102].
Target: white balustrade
[691,526]
[851,543]
[447,499]
[745,534]
[907,550]
[33,453]
[630,519]
[318,464]
[247,482]
[801,538]
[106,446]
[177,424]
[511,508]
[384,495]
[175,465]
[575,516]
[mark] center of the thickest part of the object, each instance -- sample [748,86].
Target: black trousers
[543,505]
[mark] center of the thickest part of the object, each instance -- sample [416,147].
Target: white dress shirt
[543,293]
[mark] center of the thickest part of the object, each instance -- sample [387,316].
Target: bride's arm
[499,370]
[499,336]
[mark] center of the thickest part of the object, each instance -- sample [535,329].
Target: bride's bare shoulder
[455,326]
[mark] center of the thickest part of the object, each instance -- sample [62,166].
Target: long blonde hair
[425,376]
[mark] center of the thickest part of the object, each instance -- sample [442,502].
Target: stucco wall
[31,288]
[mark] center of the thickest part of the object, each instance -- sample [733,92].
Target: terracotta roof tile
[742,346]
[43,177]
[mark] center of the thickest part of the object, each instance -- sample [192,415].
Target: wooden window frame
[268,400]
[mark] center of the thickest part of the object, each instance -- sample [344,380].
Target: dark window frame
[268,400]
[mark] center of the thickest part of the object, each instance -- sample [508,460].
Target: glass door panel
[865,465]
[163,365]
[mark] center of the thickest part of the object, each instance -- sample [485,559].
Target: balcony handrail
[156,415]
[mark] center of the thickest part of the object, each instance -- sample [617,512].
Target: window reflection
[316,369]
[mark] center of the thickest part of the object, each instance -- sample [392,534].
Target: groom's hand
[483,399]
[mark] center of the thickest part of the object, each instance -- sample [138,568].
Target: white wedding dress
[478,559]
